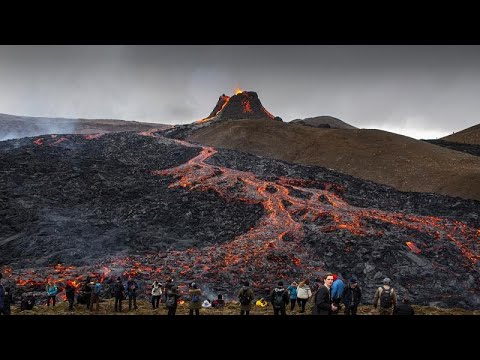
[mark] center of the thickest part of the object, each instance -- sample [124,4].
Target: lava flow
[275,248]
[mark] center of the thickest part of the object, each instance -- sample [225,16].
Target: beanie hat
[386,281]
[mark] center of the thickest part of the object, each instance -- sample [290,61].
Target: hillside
[382,157]
[323,122]
[467,136]
[14,127]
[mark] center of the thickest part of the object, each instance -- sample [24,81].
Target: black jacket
[323,302]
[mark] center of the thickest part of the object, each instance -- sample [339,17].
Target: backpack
[195,298]
[386,298]
[244,298]
[278,301]
[171,301]
[97,289]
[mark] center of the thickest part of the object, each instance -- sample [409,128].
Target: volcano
[242,105]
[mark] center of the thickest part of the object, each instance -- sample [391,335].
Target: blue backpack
[195,298]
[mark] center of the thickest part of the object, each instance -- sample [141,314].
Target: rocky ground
[152,207]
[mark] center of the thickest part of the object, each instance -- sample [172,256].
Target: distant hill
[379,156]
[14,127]
[323,122]
[470,135]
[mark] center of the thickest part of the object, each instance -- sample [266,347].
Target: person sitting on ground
[219,302]
[404,308]
[28,301]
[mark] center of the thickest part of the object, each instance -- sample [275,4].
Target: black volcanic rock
[244,105]
[471,149]
[170,208]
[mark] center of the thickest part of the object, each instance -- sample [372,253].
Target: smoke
[15,127]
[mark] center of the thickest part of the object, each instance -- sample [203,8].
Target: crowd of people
[329,297]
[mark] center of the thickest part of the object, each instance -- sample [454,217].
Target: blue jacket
[293,292]
[336,290]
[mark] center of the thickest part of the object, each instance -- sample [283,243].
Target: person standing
[70,294]
[156,294]
[51,289]
[172,296]
[132,293]
[245,297]
[292,290]
[336,292]
[323,302]
[194,294]
[119,293]
[385,298]
[303,294]
[351,297]
[279,299]
[2,296]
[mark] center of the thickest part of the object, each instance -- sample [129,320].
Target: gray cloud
[420,91]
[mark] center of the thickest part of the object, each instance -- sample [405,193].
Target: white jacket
[304,292]
[156,290]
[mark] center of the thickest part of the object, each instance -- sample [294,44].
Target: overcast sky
[418,91]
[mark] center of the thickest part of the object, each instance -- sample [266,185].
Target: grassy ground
[145,308]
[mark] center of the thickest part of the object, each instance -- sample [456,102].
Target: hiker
[385,298]
[303,294]
[336,292]
[404,308]
[70,294]
[7,301]
[292,290]
[132,293]
[86,293]
[2,296]
[323,302]
[119,293]
[245,297]
[172,295]
[351,297]
[156,294]
[169,281]
[194,294]
[95,297]
[279,299]
[51,289]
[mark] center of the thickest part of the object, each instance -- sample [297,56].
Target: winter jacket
[378,293]
[337,290]
[156,290]
[293,292]
[51,290]
[352,296]
[132,288]
[303,291]
[191,294]
[246,307]
[284,296]
[323,302]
